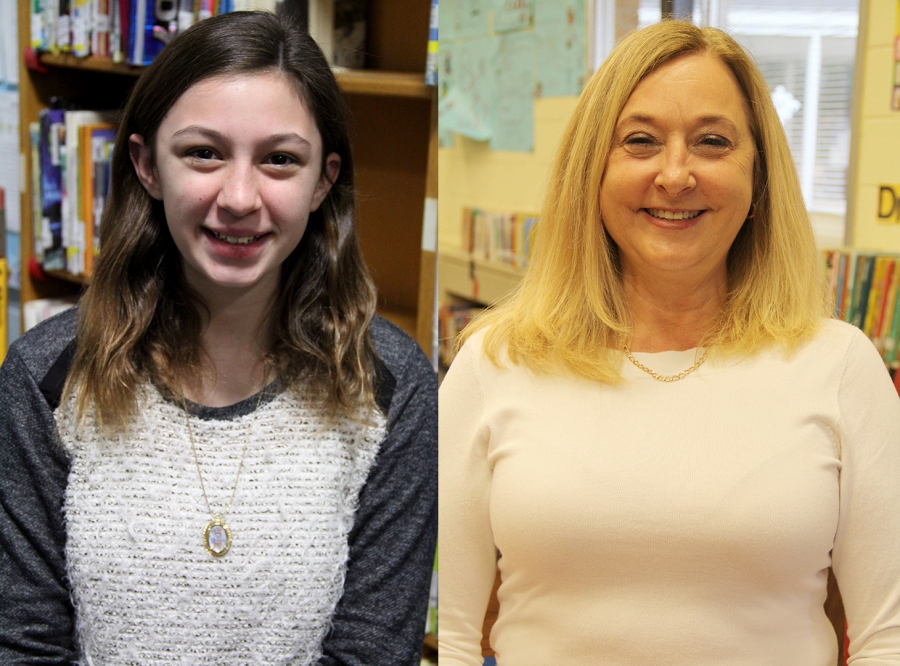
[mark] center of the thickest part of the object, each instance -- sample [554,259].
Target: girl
[223,456]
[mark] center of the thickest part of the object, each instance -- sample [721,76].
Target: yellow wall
[472,175]
[878,128]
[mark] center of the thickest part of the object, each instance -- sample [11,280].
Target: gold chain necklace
[217,535]
[666,378]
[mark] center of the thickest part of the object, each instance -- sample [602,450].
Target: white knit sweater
[145,589]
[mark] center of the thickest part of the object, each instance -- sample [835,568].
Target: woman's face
[679,179]
[238,167]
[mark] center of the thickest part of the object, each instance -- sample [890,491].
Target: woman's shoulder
[839,336]
[42,347]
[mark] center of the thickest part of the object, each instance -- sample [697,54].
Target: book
[34,134]
[4,277]
[73,223]
[875,295]
[431,73]
[101,30]
[349,36]
[886,306]
[36,311]
[52,147]
[64,26]
[102,140]
[502,237]
[81,25]
[865,289]
[38,37]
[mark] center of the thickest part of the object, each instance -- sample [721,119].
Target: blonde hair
[569,313]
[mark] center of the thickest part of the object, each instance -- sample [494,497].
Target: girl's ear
[329,176]
[143,165]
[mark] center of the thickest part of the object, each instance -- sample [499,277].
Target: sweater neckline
[235,411]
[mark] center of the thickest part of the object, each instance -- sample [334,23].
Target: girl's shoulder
[401,365]
[46,352]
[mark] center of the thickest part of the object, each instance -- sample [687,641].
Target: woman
[223,457]
[659,440]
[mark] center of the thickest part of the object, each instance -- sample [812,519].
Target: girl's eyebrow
[214,135]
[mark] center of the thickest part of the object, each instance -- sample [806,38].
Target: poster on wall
[497,56]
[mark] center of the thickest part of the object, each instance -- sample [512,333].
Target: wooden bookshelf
[478,280]
[393,129]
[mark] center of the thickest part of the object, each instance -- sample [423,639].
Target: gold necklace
[217,535]
[666,378]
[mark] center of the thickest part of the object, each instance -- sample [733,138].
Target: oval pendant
[217,537]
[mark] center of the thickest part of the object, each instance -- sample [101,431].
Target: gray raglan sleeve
[36,614]
[380,619]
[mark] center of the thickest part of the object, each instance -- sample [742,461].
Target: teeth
[235,240]
[670,215]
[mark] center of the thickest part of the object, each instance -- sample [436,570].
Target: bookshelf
[476,280]
[393,127]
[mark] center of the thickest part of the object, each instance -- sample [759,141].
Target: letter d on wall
[889,204]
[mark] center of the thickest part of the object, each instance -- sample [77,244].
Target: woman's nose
[675,175]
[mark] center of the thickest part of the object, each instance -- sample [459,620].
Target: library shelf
[351,81]
[479,280]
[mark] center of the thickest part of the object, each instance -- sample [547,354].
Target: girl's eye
[282,159]
[202,153]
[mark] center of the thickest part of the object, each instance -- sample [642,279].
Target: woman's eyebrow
[703,120]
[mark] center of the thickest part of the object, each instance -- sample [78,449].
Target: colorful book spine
[34,134]
[52,151]
[500,237]
[74,220]
[431,73]
[101,141]
[38,37]
[4,279]
[865,290]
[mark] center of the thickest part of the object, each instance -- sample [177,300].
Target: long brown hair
[140,321]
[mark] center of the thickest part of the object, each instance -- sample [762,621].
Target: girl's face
[238,167]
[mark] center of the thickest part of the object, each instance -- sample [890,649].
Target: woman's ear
[143,165]
[328,178]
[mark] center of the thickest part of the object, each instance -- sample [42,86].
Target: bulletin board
[497,56]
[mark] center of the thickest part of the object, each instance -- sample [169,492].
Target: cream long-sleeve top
[688,523]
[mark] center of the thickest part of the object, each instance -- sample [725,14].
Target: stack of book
[135,31]
[132,31]
[453,317]
[500,237]
[71,152]
[864,292]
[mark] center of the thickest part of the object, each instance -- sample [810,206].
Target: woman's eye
[714,140]
[639,140]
